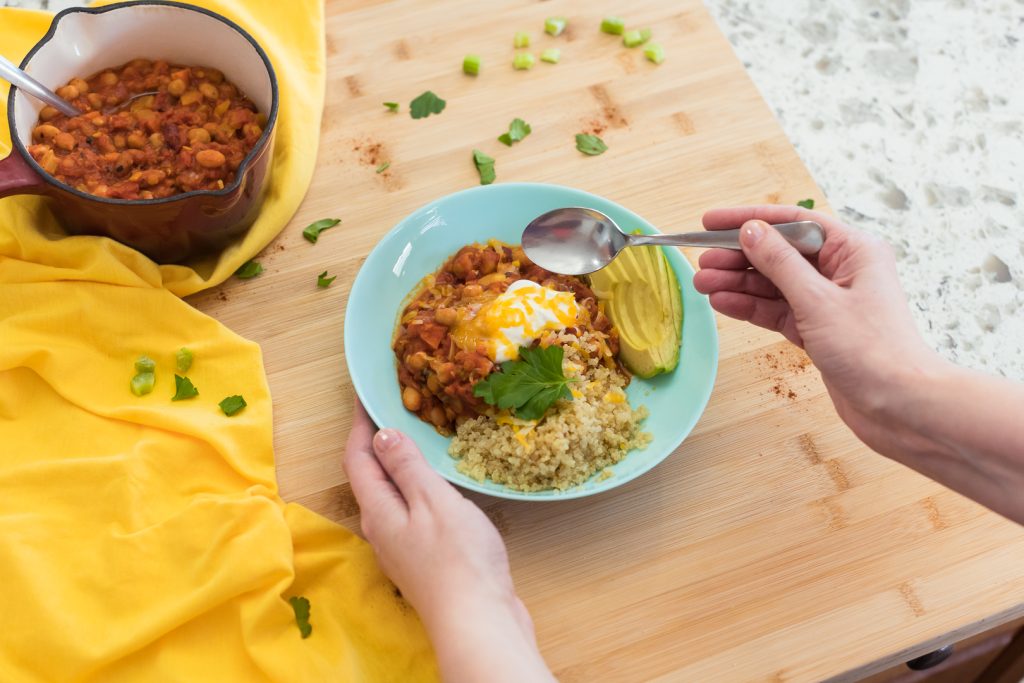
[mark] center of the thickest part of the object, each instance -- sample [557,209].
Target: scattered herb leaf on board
[323,281]
[313,230]
[301,609]
[392,106]
[426,104]
[183,389]
[231,405]
[383,167]
[528,386]
[806,203]
[590,145]
[517,130]
[249,269]
[484,166]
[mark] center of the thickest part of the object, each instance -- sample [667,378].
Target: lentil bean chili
[192,134]
[436,376]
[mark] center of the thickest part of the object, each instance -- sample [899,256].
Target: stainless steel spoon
[577,240]
[15,76]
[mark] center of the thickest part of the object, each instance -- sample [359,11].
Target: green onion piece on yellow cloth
[142,383]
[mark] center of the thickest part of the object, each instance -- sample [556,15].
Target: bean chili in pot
[192,134]
[435,373]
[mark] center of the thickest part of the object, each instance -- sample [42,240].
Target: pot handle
[17,177]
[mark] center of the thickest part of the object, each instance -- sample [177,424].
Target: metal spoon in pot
[15,76]
[577,241]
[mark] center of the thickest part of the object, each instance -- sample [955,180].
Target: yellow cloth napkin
[144,540]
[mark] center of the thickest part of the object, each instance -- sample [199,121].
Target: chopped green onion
[551,55]
[142,383]
[523,61]
[249,269]
[393,106]
[471,64]
[383,167]
[484,166]
[312,231]
[521,39]
[591,145]
[805,203]
[145,364]
[655,53]
[613,25]
[231,405]
[636,38]
[183,389]
[323,282]
[555,25]
[183,359]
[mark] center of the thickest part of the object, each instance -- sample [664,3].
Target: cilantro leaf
[806,203]
[517,130]
[383,167]
[426,104]
[183,389]
[591,145]
[231,405]
[392,106]
[528,386]
[484,166]
[249,269]
[323,281]
[301,608]
[313,230]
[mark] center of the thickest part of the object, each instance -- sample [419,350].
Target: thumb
[775,258]
[406,466]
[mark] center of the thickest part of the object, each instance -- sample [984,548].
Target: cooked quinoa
[575,440]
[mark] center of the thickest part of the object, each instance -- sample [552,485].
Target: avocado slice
[672,307]
[643,300]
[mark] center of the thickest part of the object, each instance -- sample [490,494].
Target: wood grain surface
[771,546]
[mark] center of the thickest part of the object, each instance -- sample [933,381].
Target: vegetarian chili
[190,132]
[436,375]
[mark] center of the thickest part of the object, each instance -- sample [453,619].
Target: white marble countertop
[910,115]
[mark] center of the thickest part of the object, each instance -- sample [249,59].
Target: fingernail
[386,439]
[752,232]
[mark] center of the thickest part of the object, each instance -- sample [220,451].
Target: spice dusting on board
[784,362]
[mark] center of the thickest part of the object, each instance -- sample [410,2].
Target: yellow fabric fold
[145,539]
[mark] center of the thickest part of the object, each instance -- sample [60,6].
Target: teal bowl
[421,242]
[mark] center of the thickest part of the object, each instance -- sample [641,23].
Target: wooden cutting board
[771,545]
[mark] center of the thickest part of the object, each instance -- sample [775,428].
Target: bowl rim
[243,168]
[508,493]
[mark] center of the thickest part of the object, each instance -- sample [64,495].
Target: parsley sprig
[528,386]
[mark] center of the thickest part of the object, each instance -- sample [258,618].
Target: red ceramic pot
[83,41]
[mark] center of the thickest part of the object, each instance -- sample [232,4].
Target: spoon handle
[12,74]
[806,236]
